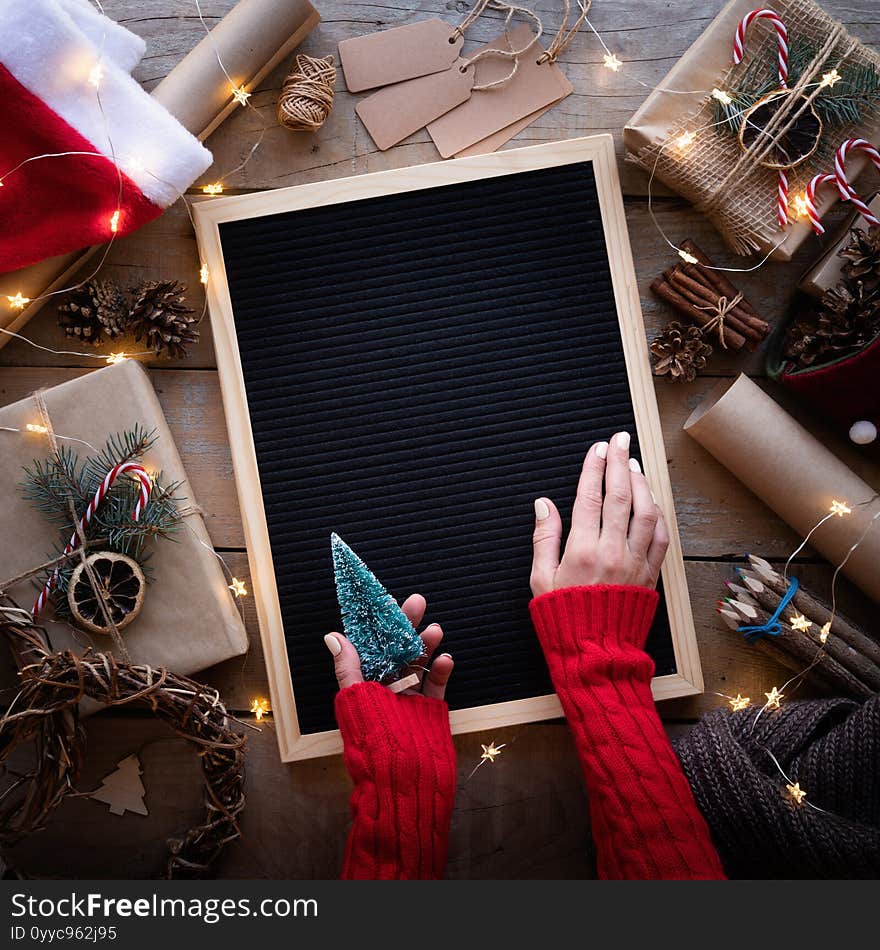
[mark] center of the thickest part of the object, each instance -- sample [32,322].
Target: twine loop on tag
[565,34]
[511,54]
[721,309]
[307,94]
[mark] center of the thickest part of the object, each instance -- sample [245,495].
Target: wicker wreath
[45,712]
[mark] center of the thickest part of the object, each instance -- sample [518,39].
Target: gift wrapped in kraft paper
[725,181]
[189,620]
[792,473]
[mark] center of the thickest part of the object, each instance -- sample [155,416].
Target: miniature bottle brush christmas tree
[380,631]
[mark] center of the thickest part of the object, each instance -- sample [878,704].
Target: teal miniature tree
[380,631]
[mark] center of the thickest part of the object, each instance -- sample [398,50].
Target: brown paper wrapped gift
[714,173]
[189,620]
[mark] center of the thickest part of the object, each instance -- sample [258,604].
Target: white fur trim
[43,48]
[119,45]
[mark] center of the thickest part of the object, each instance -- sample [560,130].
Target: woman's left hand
[433,677]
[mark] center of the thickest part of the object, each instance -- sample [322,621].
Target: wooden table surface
[526,815]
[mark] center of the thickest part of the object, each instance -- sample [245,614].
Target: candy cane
[781,39]
[847,192]
[812,213]
[129,468]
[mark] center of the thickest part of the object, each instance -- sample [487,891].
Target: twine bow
[722,308]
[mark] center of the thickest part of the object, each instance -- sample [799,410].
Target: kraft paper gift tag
[405,52]
[493,142]
[534,87]
[393,113]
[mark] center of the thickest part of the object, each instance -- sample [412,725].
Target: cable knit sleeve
[399,753]
[645,821]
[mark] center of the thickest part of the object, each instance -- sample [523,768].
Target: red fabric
[399,753]
[645,821]
[55,205]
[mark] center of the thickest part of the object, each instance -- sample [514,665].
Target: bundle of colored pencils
[841,656]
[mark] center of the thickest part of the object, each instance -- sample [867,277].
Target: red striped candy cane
[782,198]
[847,192]
[124,468]
[781,39]
[810,195]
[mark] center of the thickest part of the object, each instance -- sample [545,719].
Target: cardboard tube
[251,39]
[792,473]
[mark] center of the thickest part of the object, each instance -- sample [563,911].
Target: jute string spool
[307,94]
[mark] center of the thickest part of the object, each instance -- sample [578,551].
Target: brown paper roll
[792,473]
[251,39]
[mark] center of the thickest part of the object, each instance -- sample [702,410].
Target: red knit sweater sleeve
[645,821]
[399,753]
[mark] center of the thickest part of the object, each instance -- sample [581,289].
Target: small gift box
[825,273]
[189,620]
[732,138]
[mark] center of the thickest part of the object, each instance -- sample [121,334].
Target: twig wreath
[46,712]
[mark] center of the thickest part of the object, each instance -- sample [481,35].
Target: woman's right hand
[618,535]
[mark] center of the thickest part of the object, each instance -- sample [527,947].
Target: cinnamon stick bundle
[708,299]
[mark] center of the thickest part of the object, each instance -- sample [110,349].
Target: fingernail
[622,439]
[602,449]
[449,655]
[333,645]
[542,509]
[635,467]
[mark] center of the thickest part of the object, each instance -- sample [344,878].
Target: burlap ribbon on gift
[725,182]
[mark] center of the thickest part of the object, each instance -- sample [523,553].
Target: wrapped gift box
[738,196]
[189,619]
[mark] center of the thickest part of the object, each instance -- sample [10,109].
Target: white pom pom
[863,432]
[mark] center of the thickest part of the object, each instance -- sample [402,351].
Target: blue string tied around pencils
[772,627]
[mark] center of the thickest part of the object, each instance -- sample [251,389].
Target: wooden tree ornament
[123,789]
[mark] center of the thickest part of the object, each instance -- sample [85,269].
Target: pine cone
[680,352]
[862,258]
[94,311]
[160,317]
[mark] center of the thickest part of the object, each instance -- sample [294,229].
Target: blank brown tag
[488,111]
[393,113]
[493,142]
[405,52]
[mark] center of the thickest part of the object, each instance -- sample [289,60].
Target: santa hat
[52,54]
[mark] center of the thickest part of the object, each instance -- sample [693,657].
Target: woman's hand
[432,679]
[617,535]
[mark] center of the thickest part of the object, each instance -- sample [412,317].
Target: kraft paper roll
[792,473]
[251,40]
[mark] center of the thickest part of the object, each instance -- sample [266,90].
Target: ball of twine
[307,94]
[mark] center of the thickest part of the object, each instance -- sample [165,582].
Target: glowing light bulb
[839,508]
[685,140]
[721,96]
[687,258]
[114,358]
[240,95]
[34,427]
[215,189]
[830,78]
[204,274]
[18,302]
[238,588]
[824,632]
[740,702]
[801,206]
[491,751]
[799,622]
[114,221]
[796,793]
[96,74]
[773,698]
[260,707]
[611,62]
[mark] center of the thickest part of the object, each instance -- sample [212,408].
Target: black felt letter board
[419,368]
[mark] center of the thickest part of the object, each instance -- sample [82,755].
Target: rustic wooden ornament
[123,790]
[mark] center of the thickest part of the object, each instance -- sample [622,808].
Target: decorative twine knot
[722,308]
[307,94]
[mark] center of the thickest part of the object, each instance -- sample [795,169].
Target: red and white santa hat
[52,54]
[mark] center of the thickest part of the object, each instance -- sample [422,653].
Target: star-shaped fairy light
[796,793]
[740,702]
[800,622]
[824,632]
[722,96]
[686,257]
[839,508]
[685,140]
[18,302]
[773,698]
[214,188]
[115,358]
[491,751]
[801,206]
[612,62]
[238,588]
[260,708]
[830,78]
[240,95]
